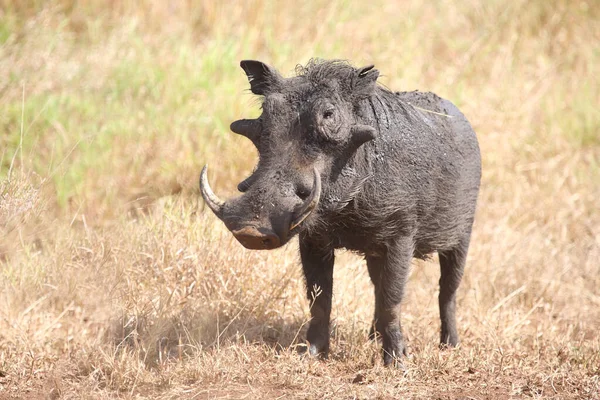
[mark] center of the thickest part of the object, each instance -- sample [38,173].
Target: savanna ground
[115,282]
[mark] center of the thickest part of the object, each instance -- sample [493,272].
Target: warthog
[346,163]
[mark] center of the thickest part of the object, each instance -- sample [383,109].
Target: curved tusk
[310,203]
[211,199]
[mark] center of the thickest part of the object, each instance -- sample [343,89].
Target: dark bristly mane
[320,71]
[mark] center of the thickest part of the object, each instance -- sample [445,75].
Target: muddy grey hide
[346,163]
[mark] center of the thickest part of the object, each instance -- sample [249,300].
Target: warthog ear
[365,81]
[263,79]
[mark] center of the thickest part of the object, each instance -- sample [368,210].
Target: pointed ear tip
[368,71]
[366,68]
[250,63]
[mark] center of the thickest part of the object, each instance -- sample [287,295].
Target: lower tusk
[300,220]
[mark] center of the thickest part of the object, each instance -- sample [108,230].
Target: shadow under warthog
[181,335]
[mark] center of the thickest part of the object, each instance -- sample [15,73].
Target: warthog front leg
[317,263]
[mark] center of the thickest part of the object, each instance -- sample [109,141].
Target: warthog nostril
[253,238]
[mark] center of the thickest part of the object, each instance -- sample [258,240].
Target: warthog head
[307,137]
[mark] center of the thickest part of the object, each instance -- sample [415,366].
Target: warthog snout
[257,239]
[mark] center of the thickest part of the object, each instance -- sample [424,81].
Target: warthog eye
[327,119]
